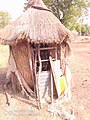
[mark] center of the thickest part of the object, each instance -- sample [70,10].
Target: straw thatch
[37,25]
[21,57]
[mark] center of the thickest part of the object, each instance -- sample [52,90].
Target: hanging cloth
[67,72]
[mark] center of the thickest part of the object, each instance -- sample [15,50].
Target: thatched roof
[37,24]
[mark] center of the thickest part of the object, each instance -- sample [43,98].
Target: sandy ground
[24,109]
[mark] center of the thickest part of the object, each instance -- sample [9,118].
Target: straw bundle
[20,54]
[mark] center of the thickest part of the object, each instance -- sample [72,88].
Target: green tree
[4,19]
[73,11]
[85,29]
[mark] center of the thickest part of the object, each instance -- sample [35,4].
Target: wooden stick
[22,86]
[60,56]
[7,99]
[37,84]
[39,72]
[23,83]
[47,48]
[34,72]
[51,89]
[53,73]
[56,52]
[30,54]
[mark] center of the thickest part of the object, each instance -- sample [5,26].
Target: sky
[15,9]
[87,19]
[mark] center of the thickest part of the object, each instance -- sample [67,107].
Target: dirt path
[80,67]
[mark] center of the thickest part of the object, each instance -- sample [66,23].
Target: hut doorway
[42,68]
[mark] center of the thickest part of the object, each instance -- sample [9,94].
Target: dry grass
[4,54]
[21,57]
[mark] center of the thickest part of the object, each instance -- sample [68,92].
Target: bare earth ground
[27,110]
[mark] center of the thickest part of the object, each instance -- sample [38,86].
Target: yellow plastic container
[61,85]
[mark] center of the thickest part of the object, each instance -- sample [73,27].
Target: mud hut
[32,38]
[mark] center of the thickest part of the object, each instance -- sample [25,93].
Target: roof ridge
[40,8]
